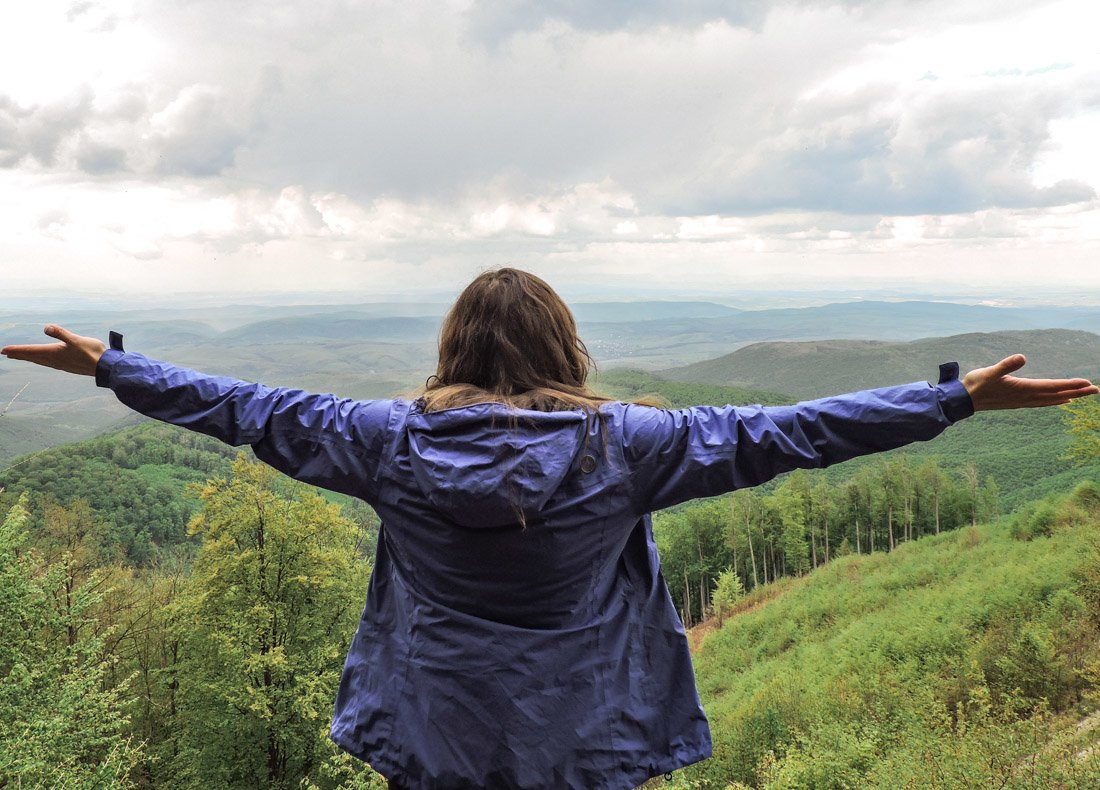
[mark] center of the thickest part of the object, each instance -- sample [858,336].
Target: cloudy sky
[695,148]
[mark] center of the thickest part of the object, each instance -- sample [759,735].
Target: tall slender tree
[264,623]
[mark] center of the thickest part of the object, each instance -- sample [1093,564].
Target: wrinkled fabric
[517,631]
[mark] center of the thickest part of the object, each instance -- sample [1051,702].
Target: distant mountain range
[815,368]
[653,344]
[379,350]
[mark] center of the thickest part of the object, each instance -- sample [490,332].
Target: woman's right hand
[74,354]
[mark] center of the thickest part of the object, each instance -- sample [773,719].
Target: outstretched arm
[703,451]
[332,442]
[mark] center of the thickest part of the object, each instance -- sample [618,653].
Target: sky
[338,150]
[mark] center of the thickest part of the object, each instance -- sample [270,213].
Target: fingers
[1054,384]
[1009,365]
[1047,392]
[18,352]
[50,330]
[59,333]
[1081,392]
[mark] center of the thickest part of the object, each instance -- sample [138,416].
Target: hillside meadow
[965,660]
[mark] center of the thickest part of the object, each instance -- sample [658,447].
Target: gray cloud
[38,131]
[196,132]
[492,21]
[195,135]
[497,19]
[98,159]
[689,120]
[868,153]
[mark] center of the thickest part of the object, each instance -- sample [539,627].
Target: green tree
[931,482]
[61,725]
[823,512]
[1083,421]
[790,502]
[743,531]
[728,590]
[265,620]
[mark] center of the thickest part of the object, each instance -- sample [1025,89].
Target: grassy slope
[840,673]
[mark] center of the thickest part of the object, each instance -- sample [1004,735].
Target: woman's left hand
[995,388]
[74,354]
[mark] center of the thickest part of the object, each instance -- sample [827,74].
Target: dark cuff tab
[116,344]
[949,371]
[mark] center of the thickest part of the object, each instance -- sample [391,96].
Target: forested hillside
[138,483]
[960,661]
[803,521]
[627,385]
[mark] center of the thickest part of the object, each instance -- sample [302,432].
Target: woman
[517,631]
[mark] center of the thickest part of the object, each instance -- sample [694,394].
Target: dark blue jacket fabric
[517,631]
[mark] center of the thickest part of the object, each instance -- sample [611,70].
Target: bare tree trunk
[890,524]
[687,601]
[971,473]
[702,581]
[752,557]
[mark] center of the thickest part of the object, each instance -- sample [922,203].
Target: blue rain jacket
[517,631]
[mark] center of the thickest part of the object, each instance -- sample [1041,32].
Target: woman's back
[517,632]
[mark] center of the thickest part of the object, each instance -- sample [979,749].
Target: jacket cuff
[954,397]
[104,366]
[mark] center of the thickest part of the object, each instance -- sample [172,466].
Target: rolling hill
[817,368]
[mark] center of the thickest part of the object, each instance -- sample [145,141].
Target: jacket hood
[491,466]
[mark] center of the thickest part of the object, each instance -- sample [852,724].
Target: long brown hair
[509,338]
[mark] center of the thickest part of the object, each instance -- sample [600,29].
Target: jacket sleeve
[703,451]
[330,442]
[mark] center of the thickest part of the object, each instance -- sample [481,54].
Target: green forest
[173,614]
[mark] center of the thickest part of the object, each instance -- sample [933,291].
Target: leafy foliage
[60,725]
[263,625]
[1083,418]
[728,590]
